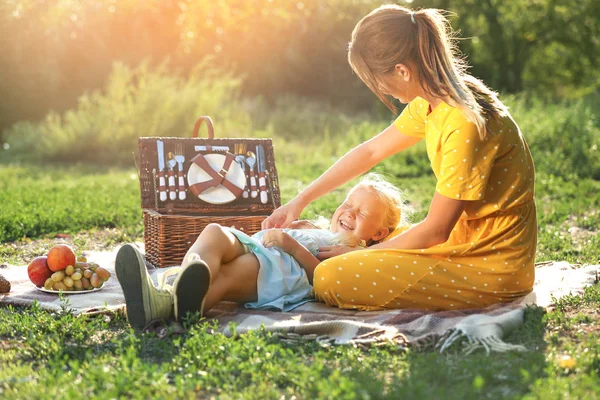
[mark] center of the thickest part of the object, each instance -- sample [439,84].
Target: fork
[240,150]
[180,158]
[171,163]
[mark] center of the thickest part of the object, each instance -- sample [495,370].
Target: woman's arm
[357,161]
[443,215]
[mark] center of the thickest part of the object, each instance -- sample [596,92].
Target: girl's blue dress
[282,282]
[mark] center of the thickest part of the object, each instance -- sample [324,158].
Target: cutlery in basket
[262,170]
[240,151]
[180,158]
[162,188]
[172,163]
[251,161]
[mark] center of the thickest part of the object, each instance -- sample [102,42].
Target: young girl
[271,269]
[477,244]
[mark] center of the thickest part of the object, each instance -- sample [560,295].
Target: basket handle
[209,124]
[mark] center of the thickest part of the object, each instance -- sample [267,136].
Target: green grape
[95,281]
[85,282]
[58,276]
[48,284]
[103,273]
[68,282]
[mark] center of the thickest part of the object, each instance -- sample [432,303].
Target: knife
[162,189]
[211,148]
[262,169]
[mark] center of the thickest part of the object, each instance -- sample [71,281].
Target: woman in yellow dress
[477,245]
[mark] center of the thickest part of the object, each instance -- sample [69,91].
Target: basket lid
[208,175]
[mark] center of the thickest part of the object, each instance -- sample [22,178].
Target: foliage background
[81,80]
[54,51]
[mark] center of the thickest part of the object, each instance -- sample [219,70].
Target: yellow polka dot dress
[489,257]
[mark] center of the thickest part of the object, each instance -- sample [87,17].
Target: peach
[60,257]
[38,271]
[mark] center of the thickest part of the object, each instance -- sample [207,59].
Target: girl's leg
[215,246]
[236,282]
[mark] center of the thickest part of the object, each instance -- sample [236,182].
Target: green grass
[44,201]
[99,205]
[75,357]
[66,199]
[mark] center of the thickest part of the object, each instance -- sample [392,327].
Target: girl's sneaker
[190,289]
[144,302]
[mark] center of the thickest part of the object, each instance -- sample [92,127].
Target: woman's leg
[382,279]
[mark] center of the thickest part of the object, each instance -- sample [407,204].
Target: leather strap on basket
[218,178]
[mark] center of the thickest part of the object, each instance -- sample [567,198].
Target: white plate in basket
[219,194]
[41,289]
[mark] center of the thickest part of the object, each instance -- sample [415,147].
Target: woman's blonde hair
[391,35]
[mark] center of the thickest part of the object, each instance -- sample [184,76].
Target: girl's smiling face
[361,215]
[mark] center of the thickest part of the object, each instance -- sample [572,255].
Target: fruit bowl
[61,270]
[69,292]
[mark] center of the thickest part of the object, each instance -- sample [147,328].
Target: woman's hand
[326,252]
[283,216]
[281,239]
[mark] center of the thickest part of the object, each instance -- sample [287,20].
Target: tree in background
[53,50]
[544,45]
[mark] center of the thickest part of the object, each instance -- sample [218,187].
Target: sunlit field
[82,81]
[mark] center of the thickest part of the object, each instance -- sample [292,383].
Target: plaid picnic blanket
[482,328]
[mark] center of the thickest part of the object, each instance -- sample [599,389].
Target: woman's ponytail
[392,35]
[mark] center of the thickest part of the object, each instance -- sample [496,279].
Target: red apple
[60,257]
[38,271]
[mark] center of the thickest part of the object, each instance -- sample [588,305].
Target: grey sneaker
[190,289]
[144,302]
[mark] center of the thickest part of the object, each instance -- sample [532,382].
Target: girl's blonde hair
[397,211]
[423,39]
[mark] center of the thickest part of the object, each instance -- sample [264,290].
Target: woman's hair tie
[412,18]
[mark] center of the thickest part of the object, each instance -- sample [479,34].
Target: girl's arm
[357,161]
[281,239]
[305,259]
[303,224]
[435,229]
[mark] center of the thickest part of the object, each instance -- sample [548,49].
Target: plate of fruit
[61,271]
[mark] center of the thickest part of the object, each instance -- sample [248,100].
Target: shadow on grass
[453,375]
[256,365]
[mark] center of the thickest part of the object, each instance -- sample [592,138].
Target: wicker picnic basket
[174,215]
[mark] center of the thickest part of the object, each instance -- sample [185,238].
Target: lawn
[74,357]
[58,355]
